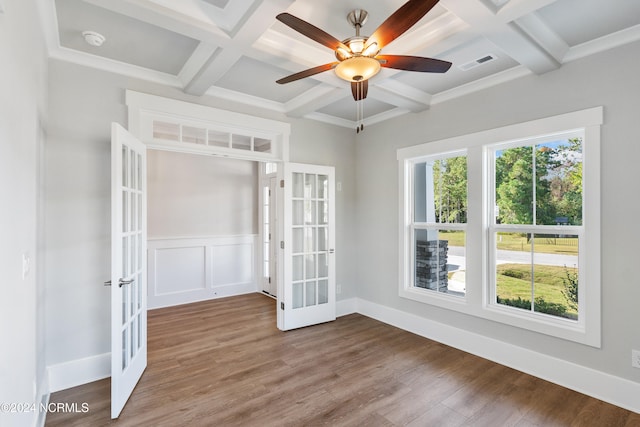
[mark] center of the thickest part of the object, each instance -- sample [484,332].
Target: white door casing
[128,265]
[306,291]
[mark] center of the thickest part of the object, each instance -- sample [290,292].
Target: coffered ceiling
[237,49]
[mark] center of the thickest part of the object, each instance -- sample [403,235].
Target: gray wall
[22,121]
[83,102]
[190,195]
[609,79]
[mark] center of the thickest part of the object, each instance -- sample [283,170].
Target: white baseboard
[609,388]
[346,306]
[77,372]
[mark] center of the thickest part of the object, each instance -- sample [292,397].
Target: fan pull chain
[359,108]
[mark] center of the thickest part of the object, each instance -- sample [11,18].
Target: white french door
[306,293]
[269,236]
[128,265]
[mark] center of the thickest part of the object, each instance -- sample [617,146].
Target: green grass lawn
[514,280]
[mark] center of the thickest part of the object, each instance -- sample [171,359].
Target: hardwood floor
[224,363]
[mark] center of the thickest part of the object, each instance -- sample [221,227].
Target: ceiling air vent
[477,62]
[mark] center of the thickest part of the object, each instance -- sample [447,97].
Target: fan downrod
[357,19]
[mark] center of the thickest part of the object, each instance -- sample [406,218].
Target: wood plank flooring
[224,363]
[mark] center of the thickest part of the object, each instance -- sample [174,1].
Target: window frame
[480,265]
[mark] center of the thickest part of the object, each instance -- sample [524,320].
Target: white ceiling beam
[259,19]
[543,36]
[401,95]
[516,9]
[505,35]
[314,99]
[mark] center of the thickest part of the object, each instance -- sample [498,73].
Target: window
[505,224]
[439,223]
[168,124]
[536,226]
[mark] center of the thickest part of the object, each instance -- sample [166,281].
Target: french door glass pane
[309,186]
[124,290]
[309,239]
[124,349]
[298,185]
[310,291]
[323,265]
[298,295]
[323,213]
[125,257]
[125,212]
[323,187]
[139,332]
[310,266]
[298,240]
[309,212]
[323,291]
[125,167]
[298,267]
[323,239]
[298,212]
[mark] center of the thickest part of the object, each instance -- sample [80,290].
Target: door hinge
[282,306]
[282,183]
[281,244]
[269,279]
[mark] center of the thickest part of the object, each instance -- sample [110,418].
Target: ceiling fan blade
[307,73]
[311,31]
[400,21]
[359,90]
[414,63]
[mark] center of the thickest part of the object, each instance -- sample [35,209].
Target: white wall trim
[77,372]
[600,385]
[200,268]
[346,306]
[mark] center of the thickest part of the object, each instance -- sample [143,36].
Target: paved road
[457,258]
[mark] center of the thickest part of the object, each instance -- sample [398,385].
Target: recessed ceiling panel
[475,50]
[257,78]
[580,21]
[128,40]
[217,3]
[346,108]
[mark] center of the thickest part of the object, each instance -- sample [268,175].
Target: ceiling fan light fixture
[343,54]
[356,44]
[371,50]
[357,69]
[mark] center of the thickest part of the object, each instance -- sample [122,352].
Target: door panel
[128,265]
[308,259]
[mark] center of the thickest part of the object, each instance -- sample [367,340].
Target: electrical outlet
[635,358]
[338,289]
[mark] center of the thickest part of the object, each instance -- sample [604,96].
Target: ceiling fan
[358,57]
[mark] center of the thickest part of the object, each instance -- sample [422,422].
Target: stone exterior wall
[431,264]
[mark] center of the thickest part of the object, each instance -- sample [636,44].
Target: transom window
[505,224]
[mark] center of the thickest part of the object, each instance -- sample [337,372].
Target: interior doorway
[268,232]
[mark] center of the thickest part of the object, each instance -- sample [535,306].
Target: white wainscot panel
[186,270]
[180,270]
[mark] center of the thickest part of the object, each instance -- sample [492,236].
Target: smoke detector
[93,38]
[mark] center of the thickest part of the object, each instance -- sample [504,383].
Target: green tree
[515,181]
[450,189]
[567,181]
